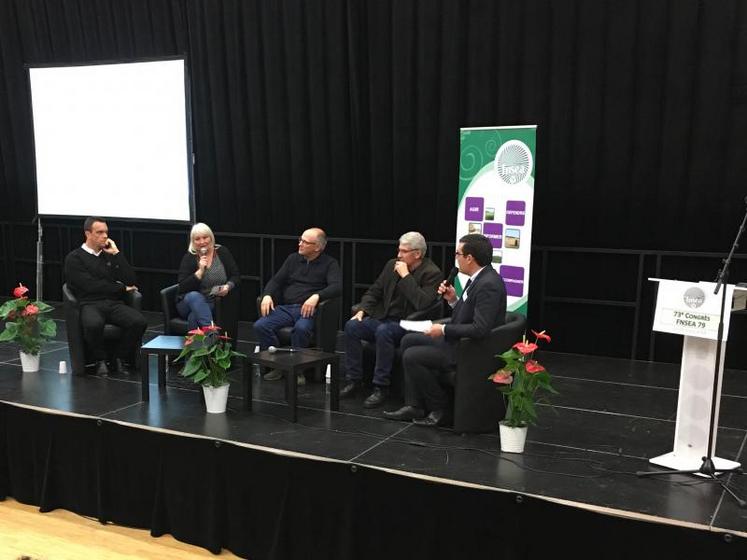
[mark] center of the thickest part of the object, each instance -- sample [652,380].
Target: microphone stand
[39,258]
[707,467]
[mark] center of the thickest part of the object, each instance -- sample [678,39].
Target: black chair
[326,319]
[76,343]
[478,405]
[432,313]
[226,313]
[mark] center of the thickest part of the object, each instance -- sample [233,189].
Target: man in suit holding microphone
[427,357]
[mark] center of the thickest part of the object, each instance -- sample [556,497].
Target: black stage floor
[611,416]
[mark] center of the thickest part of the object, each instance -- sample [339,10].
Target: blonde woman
[207,271]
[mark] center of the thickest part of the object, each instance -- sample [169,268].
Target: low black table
[295,362]
[165,345]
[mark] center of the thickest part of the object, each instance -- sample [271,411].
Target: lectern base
[671,461]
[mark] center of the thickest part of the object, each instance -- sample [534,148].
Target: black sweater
[299,279]
[93,278]
[188,282]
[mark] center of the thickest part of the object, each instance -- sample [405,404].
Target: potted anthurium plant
[26,325]
[523,382]
[207,354]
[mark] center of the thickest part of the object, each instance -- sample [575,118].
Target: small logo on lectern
[694,297]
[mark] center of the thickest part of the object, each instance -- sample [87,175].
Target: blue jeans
[266,328]
[385,333]
[196,309]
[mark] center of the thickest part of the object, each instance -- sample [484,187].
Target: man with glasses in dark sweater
[305,278]
[100,277]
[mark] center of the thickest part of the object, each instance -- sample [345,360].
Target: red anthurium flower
[30,310]
[188,341]
[224,337]
[525,347]
[210,328]
[533,366]
[196,331]
[20,291]
[503,377]
[542,336]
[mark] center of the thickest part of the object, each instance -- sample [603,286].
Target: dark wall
[345,113]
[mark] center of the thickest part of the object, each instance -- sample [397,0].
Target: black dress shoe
[101,368]
[435,418]
[405,414]
[376,398]
[350,389]
[120,367]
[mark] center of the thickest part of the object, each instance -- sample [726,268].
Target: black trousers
[426,362]
[93,317]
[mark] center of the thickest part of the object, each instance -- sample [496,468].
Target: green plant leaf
[10,332]
[47,328]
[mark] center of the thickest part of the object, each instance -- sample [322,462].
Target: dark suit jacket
[484,309]
[418,288]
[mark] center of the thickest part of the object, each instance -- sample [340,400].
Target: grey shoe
[274,375]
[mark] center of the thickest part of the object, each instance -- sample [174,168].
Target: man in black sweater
[305,278]
[100,277]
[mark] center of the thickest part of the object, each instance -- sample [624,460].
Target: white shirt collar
[475,276]
[87,249]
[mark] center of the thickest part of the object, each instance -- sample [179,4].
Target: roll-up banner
[496,194]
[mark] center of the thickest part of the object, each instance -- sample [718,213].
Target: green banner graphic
[496,195]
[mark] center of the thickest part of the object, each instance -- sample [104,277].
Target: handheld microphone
[272,349]
[203,251]
[451,276]
[449,280]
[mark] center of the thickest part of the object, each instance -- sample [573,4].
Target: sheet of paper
[415,326]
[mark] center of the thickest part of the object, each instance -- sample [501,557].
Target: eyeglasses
[458,254]
[405,251]
[302,241]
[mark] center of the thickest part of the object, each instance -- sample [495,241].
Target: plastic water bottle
[256,369]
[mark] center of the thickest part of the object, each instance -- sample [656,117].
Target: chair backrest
[68,297]
[168,306]
[478,407]
[326,323]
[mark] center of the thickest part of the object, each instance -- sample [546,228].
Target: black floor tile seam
[626,415]
[585,450]
[619,383]
[613,358]
[17,361]
[391,437]
[608,413]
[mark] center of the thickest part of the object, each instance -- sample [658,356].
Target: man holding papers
[428,357]
[406,284]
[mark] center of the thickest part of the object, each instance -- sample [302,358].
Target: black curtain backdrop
[345,113]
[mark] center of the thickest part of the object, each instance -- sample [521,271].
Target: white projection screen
[113,140]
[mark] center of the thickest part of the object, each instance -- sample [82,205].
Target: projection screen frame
[190,155]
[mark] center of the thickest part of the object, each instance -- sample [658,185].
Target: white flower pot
[512,439]
[29,362]
[216,398]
